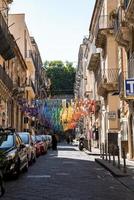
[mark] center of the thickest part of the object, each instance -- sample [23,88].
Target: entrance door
[132,136]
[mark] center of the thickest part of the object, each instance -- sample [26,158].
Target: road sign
[112,115]
[129,87]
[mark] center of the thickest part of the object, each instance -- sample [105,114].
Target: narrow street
[66,174]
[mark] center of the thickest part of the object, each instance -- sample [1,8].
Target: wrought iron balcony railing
[6,79]
[6,48]
[29,54]
[29,83]
[119,20]
[108,75]
[131,66]
[126,2]
[9,1]
[104,22]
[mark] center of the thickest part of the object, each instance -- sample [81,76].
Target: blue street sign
[129,87]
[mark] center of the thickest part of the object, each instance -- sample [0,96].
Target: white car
[49,139]
[27,140]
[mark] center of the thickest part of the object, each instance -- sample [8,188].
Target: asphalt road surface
[66,174]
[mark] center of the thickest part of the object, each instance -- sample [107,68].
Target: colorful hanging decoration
[58,114]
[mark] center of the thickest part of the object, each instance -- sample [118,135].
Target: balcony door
[131,144]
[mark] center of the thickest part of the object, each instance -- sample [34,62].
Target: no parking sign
[129,87]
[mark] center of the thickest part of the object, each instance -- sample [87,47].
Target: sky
[58,26]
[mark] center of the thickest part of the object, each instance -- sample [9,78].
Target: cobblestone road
[66,174]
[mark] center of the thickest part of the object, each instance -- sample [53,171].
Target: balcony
[5,80]
[9,1]
[129,10]
[104,26]
[97,105]
[89,94]
[122,33]
[30,60]
[6,48]
[107,81]
[30,87]
[94,61]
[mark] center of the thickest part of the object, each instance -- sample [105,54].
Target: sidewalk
[94,151]
[127,179]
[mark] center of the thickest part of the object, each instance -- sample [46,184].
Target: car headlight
[10,156]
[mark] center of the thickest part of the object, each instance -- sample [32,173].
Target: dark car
[13,153]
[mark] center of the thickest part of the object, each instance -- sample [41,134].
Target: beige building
[108,63]
[27,47]
[104,63]
[36,84]
[22,77]
[80,82]
[123,18]
[6,54]
[102,76]
[19,73]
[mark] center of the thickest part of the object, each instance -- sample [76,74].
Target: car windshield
[33,138]
[38,138]
[6,141]
[25,138]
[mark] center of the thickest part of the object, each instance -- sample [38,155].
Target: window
[6,141]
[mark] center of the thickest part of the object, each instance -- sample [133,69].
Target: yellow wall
[113,105]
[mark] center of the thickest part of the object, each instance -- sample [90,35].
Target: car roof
[26,133]
[7,131]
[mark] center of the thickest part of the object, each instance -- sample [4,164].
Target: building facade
[22,80]
[6,54]
[108,68]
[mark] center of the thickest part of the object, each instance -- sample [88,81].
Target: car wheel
[17,169]
[43,152]
[29,160]
[34,158]
[2,185]
[25,169]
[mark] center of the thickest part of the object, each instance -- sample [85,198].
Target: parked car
[36,145]
[2,184]
[13,153]
[48,139]
[41,143]
[31,150]
[45,140]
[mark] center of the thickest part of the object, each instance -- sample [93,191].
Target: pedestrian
[68,140]
[54,142]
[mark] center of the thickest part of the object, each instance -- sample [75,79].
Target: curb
[114,171]
[90,153]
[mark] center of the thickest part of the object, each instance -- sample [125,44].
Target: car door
[22,152]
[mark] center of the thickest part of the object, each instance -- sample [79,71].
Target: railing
[9,1]
[131,66]
[108,75]
[6,79]
[126,2]
[6,40]
[104,22]
[3,25]
[120,19]
[29,54]
[30,83]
